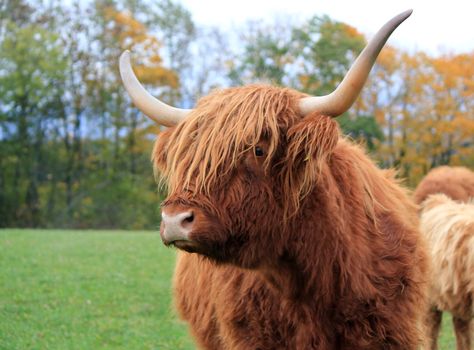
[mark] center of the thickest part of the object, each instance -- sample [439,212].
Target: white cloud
[435,26]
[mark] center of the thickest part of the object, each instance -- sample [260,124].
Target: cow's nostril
[188,219]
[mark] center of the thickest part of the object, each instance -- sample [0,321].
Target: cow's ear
[311,141]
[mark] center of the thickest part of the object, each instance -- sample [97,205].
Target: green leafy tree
[325,50]
[266,55]
[32,76]
[363,128]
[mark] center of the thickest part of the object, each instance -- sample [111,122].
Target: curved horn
[341,99]
[156,110]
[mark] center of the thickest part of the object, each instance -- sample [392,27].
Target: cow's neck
[307,270]
[313,267]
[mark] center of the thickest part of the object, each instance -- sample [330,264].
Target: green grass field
[87,290]
[92,290]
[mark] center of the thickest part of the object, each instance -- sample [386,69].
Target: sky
[436,26]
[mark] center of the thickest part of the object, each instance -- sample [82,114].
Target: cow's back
[455,182]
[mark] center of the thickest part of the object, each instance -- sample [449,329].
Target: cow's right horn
[156,110]
[341,99]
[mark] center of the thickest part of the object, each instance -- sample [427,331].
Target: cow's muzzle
[175,227]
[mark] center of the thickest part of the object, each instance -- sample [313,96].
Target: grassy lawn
[87,290]
[447,341]
[93,290]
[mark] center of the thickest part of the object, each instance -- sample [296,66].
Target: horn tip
[125,56]
[406,14]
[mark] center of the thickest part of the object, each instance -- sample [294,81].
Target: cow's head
[241,163]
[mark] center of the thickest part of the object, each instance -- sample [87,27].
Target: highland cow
[290,236]
[449,227]
[455,182]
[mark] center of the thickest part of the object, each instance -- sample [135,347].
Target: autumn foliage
[424,105]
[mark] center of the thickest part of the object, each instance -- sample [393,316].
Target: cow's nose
[176,227]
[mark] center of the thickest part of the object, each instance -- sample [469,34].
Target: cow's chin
[224,253]
[196,246]
[213,251]
[188,246]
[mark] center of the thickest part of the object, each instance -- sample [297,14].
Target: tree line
[75,153]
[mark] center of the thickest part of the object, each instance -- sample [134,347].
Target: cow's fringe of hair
[224,126]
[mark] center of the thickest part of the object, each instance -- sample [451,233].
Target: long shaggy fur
[222,128]
[309,247]
[449,227]
[455,182]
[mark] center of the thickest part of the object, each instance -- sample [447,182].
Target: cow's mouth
[185,245]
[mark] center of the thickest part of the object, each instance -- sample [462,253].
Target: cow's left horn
[341,99]
[158,111]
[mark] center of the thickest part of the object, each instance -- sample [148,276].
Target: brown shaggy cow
[449,227]
[455,182]
[291,237]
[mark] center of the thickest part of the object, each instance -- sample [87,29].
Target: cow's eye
[259,151]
